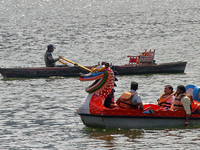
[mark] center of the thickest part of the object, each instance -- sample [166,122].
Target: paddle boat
[141,64]
[94,114]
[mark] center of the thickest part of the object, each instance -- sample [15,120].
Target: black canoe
[174,67]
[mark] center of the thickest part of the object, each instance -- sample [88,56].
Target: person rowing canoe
[49,60]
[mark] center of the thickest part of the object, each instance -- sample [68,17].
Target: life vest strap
[164,103]
[178,99]
[178,105]
[134,106]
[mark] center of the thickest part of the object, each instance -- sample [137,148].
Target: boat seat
[132,60]
[146,59]
[142,59]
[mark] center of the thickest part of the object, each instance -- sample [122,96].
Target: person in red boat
[130,99]
[167,98]
[109,101]
[182,102]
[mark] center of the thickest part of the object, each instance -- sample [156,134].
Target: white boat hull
[135,122]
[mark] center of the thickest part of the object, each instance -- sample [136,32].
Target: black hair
[170,87]
[106,65]
[181,88]
[134,85]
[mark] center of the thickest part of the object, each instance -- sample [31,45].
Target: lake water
[41,113]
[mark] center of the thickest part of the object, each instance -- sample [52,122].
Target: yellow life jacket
[98,69]
[125,101]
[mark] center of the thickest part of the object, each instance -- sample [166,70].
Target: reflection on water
[141,138]
[111,135]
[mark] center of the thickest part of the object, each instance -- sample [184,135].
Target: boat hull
[134,122]
[41,72]
[176,67]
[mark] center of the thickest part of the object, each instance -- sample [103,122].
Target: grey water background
[41,113]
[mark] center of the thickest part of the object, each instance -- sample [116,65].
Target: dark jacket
[49,61]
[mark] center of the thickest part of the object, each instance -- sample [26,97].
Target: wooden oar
[76,64]
[62,62]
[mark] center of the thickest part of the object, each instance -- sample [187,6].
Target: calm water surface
[41,113]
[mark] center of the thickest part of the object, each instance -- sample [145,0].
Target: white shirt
[186,104]
[136,98]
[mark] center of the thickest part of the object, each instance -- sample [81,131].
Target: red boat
[94,114]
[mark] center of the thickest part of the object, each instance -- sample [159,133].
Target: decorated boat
[142,64]
[93,113]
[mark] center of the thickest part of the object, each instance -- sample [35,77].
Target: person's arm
[172,106]
[49,56]
[139,102]
[140,105]
[158,101]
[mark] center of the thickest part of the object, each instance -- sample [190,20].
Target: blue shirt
[136,98]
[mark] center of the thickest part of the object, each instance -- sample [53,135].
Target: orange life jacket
[125,101]
[163,100]
[195,106]
[177,102]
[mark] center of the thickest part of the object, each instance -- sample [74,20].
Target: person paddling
[48,58]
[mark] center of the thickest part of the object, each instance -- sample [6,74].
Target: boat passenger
[98,68]
[182,102]
[130,99]
[109,101]
[48,58]
[143,54]
[167,98]
[94,72]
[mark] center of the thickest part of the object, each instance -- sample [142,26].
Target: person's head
[180,89]
[103,63]
[106,65]
[134,85]
[50,48]
[168,89]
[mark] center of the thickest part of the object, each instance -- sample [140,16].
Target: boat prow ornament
[94,114]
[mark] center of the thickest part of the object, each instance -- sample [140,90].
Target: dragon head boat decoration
[98,91]
[94,114]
